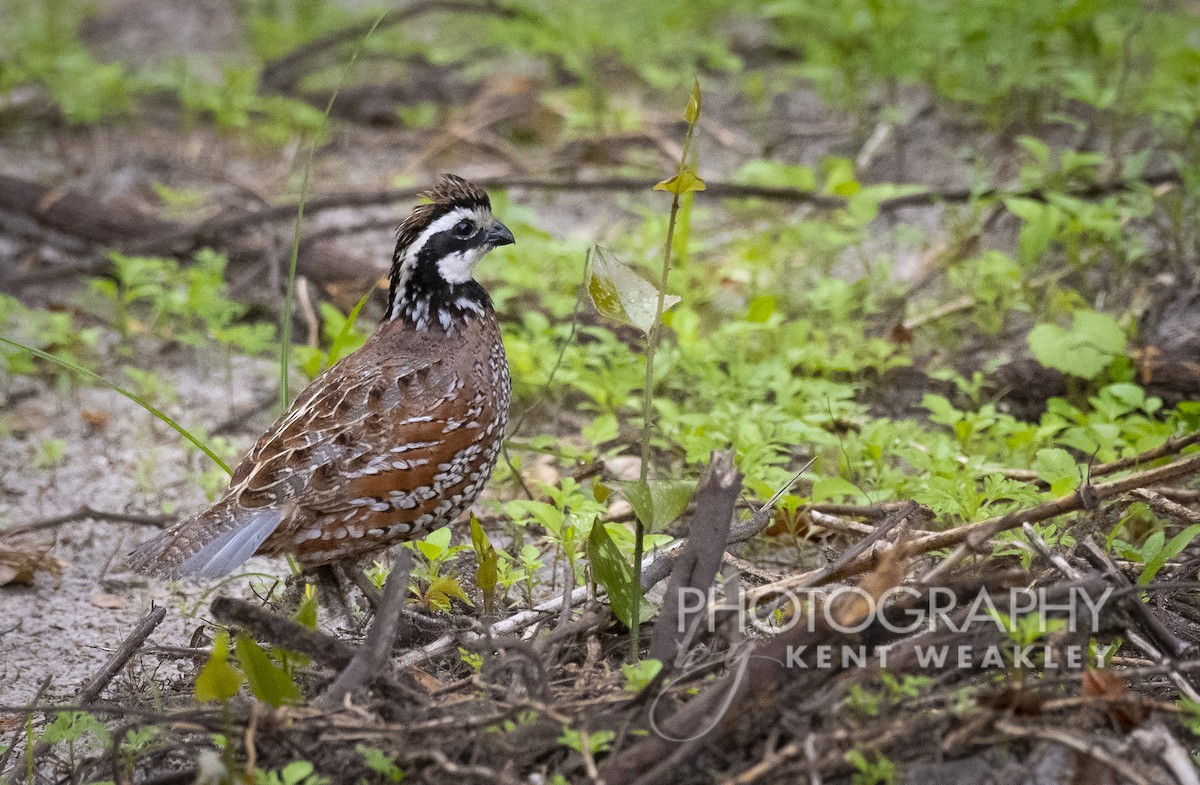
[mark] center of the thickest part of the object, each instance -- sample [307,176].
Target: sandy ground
[66,626]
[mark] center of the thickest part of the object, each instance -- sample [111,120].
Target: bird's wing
[284,470]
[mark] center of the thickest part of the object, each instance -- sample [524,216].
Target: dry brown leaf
[23,557]
[95,419]
[108,601]
[1112,690]
[850,609]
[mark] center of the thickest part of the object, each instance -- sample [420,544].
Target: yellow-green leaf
[218,680]
[441,590]
[692,114]
[486,574]
[687,180]
[306,614]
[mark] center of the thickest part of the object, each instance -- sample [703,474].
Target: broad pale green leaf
[268,682]
[1085,350]
[833,487]
[614,573]
[1058,469]
[687,180]
[621,294]
[657,503]
[218,680]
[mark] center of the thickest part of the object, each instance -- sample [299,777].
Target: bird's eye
[463,229]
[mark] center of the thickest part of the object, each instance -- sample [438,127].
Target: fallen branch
[697,564]
[191,237]
[368,663]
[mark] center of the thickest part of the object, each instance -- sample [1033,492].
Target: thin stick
[1171,446]
[148,624]
[83,513]
[972,536]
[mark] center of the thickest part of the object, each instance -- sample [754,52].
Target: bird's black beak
[500,235]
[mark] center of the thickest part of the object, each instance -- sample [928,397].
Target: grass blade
[140,401]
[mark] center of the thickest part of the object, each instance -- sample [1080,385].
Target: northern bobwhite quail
[396,439]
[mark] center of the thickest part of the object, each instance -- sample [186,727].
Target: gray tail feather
[209,545]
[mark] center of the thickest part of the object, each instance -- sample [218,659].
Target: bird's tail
[209,545]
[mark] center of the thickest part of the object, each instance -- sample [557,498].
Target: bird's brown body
[395,440]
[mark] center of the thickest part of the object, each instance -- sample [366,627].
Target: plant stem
[285,332]
[639,528]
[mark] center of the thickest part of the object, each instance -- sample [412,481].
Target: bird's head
[437,248]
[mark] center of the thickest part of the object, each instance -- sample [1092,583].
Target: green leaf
[1167,552]
[614,573]
[268,682]
[306,614]
[761,308]
[442,590]
[486,574]
[639,674]
[1058,469]
[692,113]
[657,503]
[1085,350]
[622,295]
[218,680]
[833,487]
[685,181]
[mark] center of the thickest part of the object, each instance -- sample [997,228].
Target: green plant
[891,692]
[880,771]
[77,730]
[53,332]
[298,772]
[621,294]
[593,743]
[219,680]
[381,763]
[41,47]
[433,588]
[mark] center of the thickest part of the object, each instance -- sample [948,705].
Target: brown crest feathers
[453,190]
[450,191]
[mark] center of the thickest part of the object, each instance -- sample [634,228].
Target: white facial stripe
[458,266]
[440,225]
